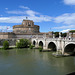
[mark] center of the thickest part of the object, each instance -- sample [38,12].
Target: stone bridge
[55,44]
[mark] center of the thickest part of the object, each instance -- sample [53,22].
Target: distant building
[71,33]
[27,26]
[26,30]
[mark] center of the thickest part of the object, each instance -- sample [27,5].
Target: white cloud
[32,13]
[14,19]
[16,12]
[40,18]
[65,27]
[63,31]
[5,28]
[6,8]
[18,19]
[1,15]
[65,18]
[4,18]
[24,7]
[27,12]
[69,2]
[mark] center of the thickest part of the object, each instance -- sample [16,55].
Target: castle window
[26,23]
[32,23]
[29,25]
[29,29]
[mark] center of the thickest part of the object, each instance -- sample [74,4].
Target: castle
[26,30]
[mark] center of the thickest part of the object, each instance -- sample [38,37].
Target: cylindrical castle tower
[27,26]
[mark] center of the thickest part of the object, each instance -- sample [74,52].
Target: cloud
[24,7]
[18,19]
[26,12]
[32,15]
[5,28]
[69,2]
[41,18]
[67,18]
[65,27]
[14,19]
[16,12]
[63,31]
[1,15]
[6,8]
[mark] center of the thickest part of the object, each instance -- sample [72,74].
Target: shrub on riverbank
[23,43]
[5,45]
[40,49]
[31,46]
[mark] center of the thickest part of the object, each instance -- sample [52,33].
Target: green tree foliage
[31,46]
[64,34]
[72,31]
[5,45]
[40,48]
[23,43]
[56,34]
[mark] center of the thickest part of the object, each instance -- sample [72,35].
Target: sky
[50,15]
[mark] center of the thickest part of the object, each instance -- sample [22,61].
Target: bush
[31,46]
[23,43]
[40,49]
[5,45]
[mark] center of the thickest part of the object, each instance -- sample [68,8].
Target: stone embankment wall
[12,42]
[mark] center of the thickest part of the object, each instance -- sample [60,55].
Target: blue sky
[50,15]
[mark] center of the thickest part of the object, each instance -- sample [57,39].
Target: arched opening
[41,44]
[52,46]
[70,49]
[34,43]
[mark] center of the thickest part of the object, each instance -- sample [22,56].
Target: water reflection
[33,62]
[63,64]
[4,53]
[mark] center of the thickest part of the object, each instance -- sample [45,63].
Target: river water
[33,62]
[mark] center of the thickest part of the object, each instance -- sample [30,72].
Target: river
[33,62]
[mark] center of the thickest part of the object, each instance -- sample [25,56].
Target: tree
[5,45]
[23,43]
[64,34]
[56,34]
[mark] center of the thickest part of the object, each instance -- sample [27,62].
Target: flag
[7,28]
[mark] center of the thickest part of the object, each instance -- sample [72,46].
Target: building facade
[27,26]
[26,30]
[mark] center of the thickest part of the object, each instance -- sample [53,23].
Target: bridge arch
[41,44]
[70,48]
[34,42]
[52,46]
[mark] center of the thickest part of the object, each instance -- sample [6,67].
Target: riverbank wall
[12,42]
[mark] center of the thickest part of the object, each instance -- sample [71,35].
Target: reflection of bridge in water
[55,44]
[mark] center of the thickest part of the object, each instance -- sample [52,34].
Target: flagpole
[6,29]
